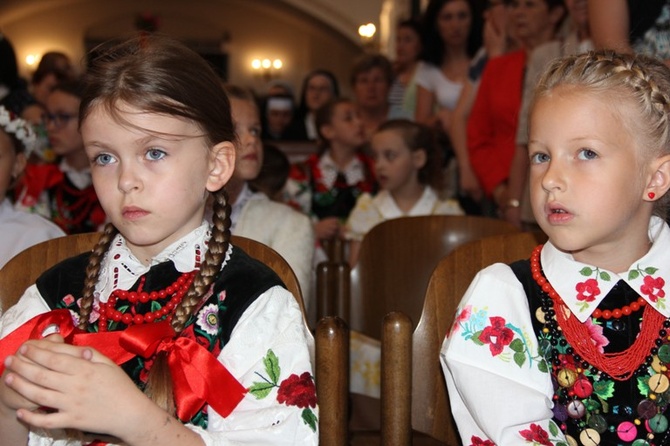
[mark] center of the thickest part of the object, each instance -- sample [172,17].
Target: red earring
[651,195]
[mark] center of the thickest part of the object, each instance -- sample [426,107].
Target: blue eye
[155,154]
[103,159]
[538,158]
[587,154]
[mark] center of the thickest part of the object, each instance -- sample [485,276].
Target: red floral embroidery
[496,335]
[298,391]
[476,441]
[588,290]
[536,434]
[461,317]
[653,288]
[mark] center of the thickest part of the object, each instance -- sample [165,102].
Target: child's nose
[128,179]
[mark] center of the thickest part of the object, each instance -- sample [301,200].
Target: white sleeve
[425,76]
[499,384]
[269,339]
[29,305]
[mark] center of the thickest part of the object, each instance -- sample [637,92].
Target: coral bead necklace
[130,316]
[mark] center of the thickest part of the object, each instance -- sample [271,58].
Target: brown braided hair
[639,82]
[160,75]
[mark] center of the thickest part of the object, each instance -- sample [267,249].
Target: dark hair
[324,116]
[302,109]
[367,62]
[413,24]
[420,137]
[9,69]
[53,62]
[159,75]
[73,87]
[274,171]
[433,46]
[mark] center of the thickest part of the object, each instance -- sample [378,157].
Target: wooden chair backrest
[22,270]
[414,358]
[397,258]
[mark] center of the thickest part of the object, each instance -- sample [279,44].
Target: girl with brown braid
[164,334]
[573,345]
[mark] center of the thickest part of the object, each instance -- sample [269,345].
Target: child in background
[163,295]
[254,215]
[20,230]
[408,168]
[327,185]
[63,192]
[572,345]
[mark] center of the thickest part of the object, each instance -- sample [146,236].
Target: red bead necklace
[130,317]
[616,313]
[621,365]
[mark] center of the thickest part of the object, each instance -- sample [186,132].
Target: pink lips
[557,214]
[133,213]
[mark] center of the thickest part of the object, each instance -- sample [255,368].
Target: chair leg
[332,380]
[396,380]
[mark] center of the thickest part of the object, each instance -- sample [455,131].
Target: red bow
[198,377]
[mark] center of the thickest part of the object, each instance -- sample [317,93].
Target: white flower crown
[18,127]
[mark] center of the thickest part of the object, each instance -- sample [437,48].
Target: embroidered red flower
[461,317]
[536,434]
[653,288]
[497,335]
[298,391]
[588,290]
[476,441]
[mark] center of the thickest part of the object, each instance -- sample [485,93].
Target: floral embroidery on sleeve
[296,390]
[536,435]
[504,340]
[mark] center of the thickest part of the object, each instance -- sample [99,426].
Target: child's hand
[11,399]
[83,388]
[327,228]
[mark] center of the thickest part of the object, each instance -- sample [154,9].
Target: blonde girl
[571,346]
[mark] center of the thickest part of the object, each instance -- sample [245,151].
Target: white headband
[18,127]
[279,103]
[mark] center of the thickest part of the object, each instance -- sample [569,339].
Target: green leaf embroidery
[475,338]
[633,274]
[604,389]
[604,276]
[586,271]
[272,366]
[542,366]
[517,345]
[643,385]
[519,358]
[261,389]
[309,418]
[650,270]
[553,429]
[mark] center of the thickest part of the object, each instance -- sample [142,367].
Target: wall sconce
[32,60]
[266,68]
[366,33]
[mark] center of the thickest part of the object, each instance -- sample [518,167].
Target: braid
[214,256]
[644,81]
[92,272]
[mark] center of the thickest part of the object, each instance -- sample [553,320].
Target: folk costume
[318,188]
[246,342]
[552,351]
[63,195]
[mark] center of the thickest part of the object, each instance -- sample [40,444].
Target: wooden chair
[397,258]
[413,390]
[22,270]
[332,339]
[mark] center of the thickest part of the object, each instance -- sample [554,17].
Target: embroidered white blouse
[273,321]
[370,211]
[493,398]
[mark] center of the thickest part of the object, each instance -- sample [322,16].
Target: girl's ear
[221,165]
[659,182]
[419,158]
[20,162]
